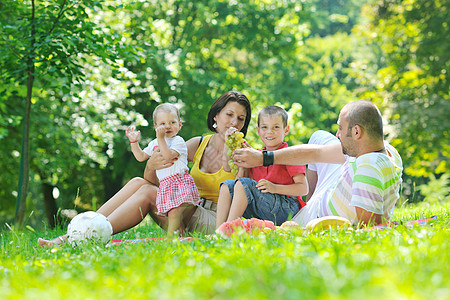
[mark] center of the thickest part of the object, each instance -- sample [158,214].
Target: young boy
[272,193]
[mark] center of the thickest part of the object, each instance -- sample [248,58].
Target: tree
[413,79]
[40,41]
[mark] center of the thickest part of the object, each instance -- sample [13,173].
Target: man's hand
[248,157]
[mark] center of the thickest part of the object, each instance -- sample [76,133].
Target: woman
[131,204]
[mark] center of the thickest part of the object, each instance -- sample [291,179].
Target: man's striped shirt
[371,182]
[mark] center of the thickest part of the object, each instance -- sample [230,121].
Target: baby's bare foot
[51,243]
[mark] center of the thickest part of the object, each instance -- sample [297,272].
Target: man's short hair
[365,114]
[274,110]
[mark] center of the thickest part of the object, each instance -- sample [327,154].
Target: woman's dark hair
[223,100]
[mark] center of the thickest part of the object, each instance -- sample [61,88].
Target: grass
[395,263]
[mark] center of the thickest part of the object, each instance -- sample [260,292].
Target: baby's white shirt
[178,144]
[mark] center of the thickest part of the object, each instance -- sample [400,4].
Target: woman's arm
[166,152]
[225,160]
[156,162]
[192,146]
[243,172]
[150,174]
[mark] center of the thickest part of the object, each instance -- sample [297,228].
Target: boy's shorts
[265,206]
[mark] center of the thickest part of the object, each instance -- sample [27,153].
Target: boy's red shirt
[279,174]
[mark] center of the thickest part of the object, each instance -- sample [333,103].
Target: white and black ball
[89,226]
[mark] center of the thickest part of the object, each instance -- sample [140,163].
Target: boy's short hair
[274,110]
[167,107]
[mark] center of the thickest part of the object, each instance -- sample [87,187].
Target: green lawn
[395,263]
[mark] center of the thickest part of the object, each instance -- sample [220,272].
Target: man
[358,178]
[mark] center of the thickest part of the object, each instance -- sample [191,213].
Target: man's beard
[348,150]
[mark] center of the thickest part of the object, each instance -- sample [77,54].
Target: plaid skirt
[175,190]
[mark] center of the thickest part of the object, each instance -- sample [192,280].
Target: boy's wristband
[267,158]
[131,142]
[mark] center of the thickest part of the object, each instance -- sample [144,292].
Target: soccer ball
[89,226]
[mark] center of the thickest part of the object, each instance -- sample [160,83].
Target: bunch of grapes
[234,142]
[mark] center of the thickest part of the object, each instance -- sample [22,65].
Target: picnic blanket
[419,222]
[255,225]
[161,239]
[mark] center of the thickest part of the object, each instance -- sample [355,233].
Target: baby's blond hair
[166,107]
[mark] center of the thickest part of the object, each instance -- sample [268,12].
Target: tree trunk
[111,184]
[51,209]
[24,169]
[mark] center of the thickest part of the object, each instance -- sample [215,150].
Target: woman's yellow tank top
[208,184]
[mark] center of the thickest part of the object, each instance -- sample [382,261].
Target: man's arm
[295,155]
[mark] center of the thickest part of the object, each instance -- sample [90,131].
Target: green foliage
[43,44]
[413,79]
[436,191]
[334,16]
[107,64]
[398,262]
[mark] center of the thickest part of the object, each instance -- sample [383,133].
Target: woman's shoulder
[197,140]
[194,143]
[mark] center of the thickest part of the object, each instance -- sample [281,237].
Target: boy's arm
[298,188]
[312,178]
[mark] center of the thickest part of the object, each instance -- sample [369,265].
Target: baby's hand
[265,186]
[160,132]
[132,135]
